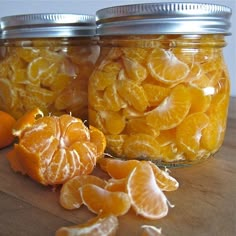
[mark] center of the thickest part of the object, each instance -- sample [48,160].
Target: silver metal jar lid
[164,18]
[45,25]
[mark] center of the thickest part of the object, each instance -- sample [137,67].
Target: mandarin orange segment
[164,66]
[115,143]
[140,125]
[98,138]
[105,76]
[189,132]
[155,93]
[116,185]
[26,120]
[213,134]
[134,70]
[99,200]
[172,111]
[118,169]
[139,54]
[70,195]
[163,178]
[133,94]
[114,122]
[146,197]
[200,100]
[64,148]
[99,226]
[141,146]
[113,99]
[7,95]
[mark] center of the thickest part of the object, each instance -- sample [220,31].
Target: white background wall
[12,7]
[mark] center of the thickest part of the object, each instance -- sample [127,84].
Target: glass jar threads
[45,62]
[160,88]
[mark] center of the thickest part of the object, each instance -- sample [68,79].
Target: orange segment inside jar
[164,98]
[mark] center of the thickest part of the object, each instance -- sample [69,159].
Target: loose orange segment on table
[121,169]
[146,197]
[7,122]
[70,192]
[99,226]
[101,201]
[53,149]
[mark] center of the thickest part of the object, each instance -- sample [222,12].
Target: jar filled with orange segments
[45,62]
[160,88]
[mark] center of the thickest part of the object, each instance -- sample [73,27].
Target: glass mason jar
[45,62]
[160,88]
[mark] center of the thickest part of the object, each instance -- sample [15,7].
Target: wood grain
[205,203]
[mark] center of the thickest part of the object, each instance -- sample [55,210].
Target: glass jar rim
[45,25]
[164,18]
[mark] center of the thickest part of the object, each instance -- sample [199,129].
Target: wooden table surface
[205,203]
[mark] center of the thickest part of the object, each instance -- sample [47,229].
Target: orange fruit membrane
[54,149]
[70,194]
[7,123]
[146,197]
[102,201]
[99,226]
[150,230]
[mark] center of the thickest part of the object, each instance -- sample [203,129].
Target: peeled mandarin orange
[99,226]
[56,148]
[101,201]
[164,66]
[70,194]
[146,197]
[6,125]
[172,110]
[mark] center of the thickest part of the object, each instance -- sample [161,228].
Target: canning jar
[160,88]
[45,62]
